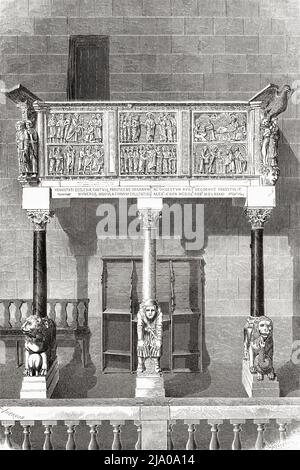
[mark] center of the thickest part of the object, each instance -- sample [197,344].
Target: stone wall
[159,50]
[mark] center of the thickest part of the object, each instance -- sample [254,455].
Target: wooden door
[88,72]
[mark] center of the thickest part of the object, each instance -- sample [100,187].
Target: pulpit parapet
[132,149]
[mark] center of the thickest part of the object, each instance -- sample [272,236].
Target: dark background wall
[160,50]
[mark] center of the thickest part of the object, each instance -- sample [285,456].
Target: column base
[258,388]
[149,386]
[41,387]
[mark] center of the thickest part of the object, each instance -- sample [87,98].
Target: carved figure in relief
[165,161]
[150,125]
[172,161]
[20,140]
[52,162]
[88,158]
[159,159]
[151,163]
[135,128]
[258,347]
[230,162]
[98,124]
[90,132]
[60,125]
[40,345]
[67,128]
[149,332]
[52,128]
[136,160]
[59,161]
[163,136]
[81,158]
[97,161]
[31,147]
[70,160]
[143,160]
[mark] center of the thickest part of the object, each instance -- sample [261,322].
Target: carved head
[262,326]
[272,175]
[29,124]
[150,309]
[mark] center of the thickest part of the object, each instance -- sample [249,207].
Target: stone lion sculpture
[40,345]
[258,347]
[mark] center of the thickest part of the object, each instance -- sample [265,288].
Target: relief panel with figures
[148,143]
[74,144]
[220,143]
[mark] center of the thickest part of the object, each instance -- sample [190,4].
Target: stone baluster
[72,314]
[7,434]
[170,443]
[52,311]
[48,432]
[71,444]
[237,429]
[260,440]
[18,313]
[214,441]
[138,444]
[26,445]
[191,442]
[282,427]
[117,443]
[7,322]
[93,444]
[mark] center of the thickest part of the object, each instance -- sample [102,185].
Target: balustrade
[67,313]
[91,417]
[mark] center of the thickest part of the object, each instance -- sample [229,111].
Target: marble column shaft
[257,219]
[40,219]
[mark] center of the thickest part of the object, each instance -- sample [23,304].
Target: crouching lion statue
[258,347]
[40,345]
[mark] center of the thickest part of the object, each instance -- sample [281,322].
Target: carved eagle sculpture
[274,100]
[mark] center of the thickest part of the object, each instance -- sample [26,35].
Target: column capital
[40,218]
[149,218]
[258,217]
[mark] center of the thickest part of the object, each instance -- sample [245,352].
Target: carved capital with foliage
[40,218]
[258,217]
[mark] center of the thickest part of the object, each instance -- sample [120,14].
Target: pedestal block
[149,386]
[258,388]
[41,387]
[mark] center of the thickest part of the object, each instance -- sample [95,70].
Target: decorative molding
[258,217]
[40,218]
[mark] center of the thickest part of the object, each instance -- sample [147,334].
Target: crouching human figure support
[40,345]
[149,332]
[258,347]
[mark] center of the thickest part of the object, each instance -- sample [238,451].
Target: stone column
[258,374]
[257,219]
[40,218]
[149,317]
[41,372]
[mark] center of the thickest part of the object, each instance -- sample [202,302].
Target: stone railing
[151,424]
[67,313]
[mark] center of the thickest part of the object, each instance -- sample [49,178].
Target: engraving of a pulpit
[150,151]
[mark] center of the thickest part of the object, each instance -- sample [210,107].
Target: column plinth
[258,374]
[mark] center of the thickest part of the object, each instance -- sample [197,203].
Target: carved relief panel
[75,144]
[220,143]
[148,143]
